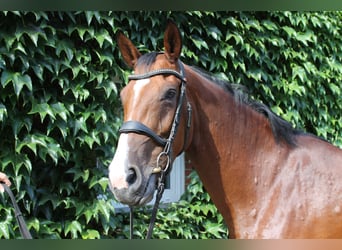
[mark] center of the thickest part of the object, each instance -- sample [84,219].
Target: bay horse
[267,179]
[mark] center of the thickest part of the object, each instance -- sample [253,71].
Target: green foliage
[60,77]
[60,113]
[291,61]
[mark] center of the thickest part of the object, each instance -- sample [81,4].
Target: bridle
[140,128]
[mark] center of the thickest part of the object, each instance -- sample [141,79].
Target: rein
[139,128]
[18,215]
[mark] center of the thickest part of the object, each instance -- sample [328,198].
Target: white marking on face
[117,174]
[138,86]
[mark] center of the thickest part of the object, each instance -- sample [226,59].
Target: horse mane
[282,129]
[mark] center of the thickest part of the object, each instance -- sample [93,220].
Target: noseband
[139,128]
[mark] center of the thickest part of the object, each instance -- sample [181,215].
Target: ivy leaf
[299,72]
[290,31]
[306,37]
[20,47]
[54,150]
[18,80]
[32,141]
[4,230]
[34,33]
[73,227]
[62,127]
[33,223]
[42,109]
[66,47]
[310,67]
[105,57]
[38,70]
[199,43]
[59,109]
[91,234]
[78,173]
[269,25]
[89,15]
[103,183]
[215,32]
[237,38]
[105,209]
[21,160]
[88,214]
[80,124]
[102,36]
[335,89]
[214,229]
[9,40]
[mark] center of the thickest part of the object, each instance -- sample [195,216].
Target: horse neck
[227,137]
[224,124]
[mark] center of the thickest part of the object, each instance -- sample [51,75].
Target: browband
[157,72]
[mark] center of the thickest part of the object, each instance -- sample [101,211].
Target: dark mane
[282,130]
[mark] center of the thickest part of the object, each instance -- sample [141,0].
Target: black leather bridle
[140,128]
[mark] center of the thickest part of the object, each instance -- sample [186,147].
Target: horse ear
[172,41]
[128,51]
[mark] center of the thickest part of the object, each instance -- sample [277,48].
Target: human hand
[4,180]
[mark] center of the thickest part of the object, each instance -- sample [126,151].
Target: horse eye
[170,94]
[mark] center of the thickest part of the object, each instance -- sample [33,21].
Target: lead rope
[18,216]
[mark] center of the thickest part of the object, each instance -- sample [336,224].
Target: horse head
[155,127]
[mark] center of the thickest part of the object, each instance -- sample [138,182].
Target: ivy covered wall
[60,77]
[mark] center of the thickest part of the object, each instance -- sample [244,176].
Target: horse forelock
[154,60]
[146,61]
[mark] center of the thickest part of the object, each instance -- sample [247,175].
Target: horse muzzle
[133,188]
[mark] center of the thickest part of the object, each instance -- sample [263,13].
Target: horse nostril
[131,176]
